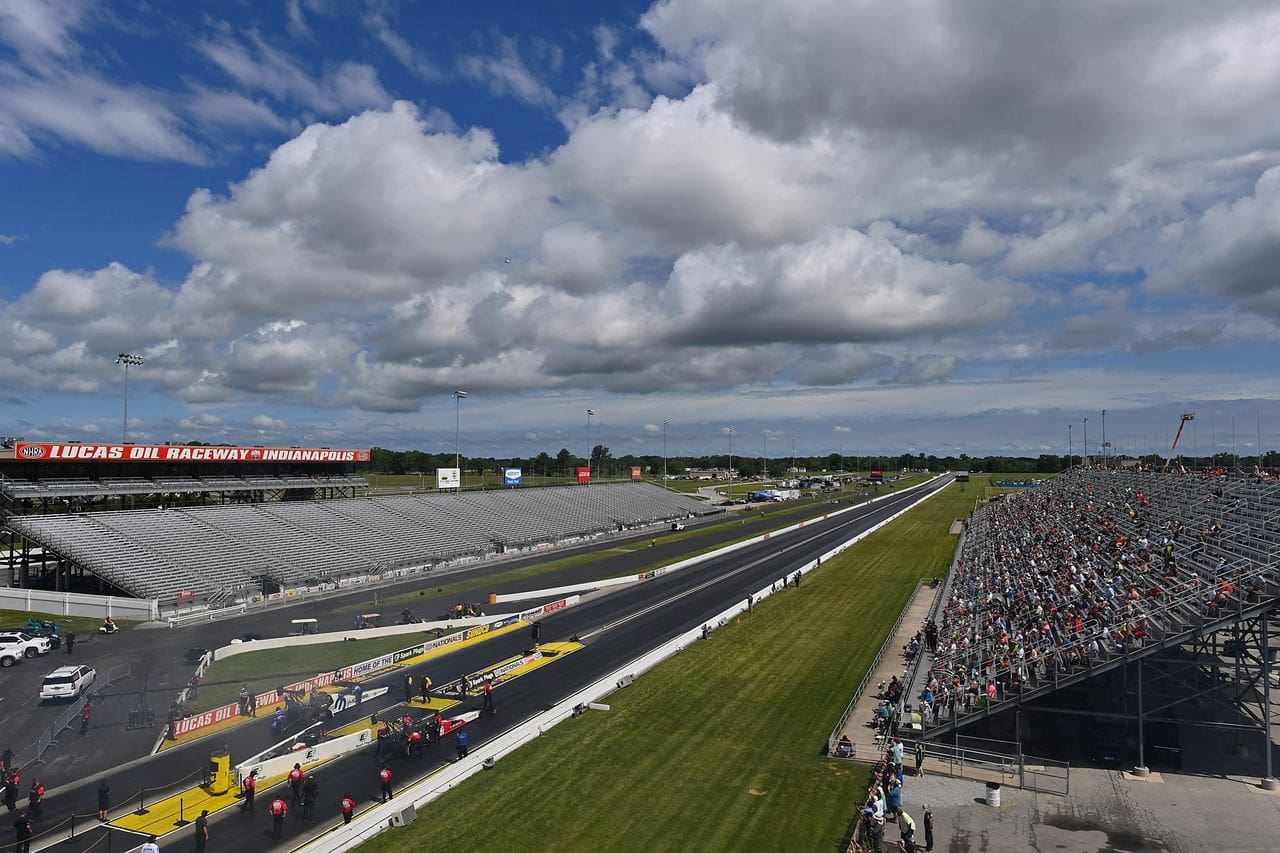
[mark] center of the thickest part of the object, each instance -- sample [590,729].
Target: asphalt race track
[614,627]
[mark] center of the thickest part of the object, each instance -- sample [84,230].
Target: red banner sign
[635,473]
[584,475]
[35,452]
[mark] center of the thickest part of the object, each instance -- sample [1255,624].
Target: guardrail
[49,737]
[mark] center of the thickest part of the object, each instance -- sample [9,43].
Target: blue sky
[944,230]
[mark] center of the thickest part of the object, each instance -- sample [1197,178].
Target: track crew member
[488,696]
[348,805]
[425,687]
[35,799]
[250,788]
[433,727]
[462,741]
[23,830]
[279,808]
[296,776]
[384,783]
[414,745]
[310,793]
[202,831]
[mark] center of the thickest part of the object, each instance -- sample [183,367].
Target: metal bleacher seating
[1137,560]
[220,551]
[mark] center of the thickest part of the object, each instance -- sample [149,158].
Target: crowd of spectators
[884,804]
[1090,566]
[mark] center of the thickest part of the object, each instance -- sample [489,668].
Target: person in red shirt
[488,697]
[348,806]
[278,810]
[414,747]
[384,781]
[296,777]
[250,787]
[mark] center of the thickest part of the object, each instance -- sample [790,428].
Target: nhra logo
[31,451]
[255,455]
[362,456]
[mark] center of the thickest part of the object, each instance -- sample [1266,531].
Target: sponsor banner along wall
[46,452]
[550,607]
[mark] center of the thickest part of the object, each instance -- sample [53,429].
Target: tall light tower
[1071,458]
[793,453]
[665,424]
[1086,440]
[590,414]
[729,496]
[458,397]
[1104,438]
[127,359]
[764,453]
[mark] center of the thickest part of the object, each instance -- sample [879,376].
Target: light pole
[1071,460]
[729,496]
[793,454]
[764,454]
[458,397]
[1086,440]
[665,424]
[1104,438]
[127,359]
[590,413]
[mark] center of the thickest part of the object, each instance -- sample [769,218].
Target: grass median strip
[719,747]
[264,671]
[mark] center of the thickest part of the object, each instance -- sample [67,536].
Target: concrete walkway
[893,663]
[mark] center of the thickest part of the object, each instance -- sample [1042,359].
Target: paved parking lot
[1106,812]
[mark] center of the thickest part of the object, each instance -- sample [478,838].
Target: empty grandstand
[211,554]
[1067,601]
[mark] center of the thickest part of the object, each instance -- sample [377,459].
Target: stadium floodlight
[729,494]
[590,414]
[1086,443]
[665,424]
[1104,438]
[458,397]
[127,359]
[764,453]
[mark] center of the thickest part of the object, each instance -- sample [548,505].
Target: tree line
[605,465]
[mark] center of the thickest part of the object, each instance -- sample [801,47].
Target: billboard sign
[635,473]
[448,478]
[512,477]
[584,475]
[79,452]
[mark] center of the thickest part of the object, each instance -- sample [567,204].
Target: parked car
[22,643]
[67,682]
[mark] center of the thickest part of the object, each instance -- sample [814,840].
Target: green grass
[720,747]
[268,669]
[82,625]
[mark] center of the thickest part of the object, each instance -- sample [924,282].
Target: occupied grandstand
[276,519]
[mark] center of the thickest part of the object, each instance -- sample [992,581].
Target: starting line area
[430,654]
[180,809]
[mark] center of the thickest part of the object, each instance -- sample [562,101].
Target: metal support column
[1141,769]
[1268,780]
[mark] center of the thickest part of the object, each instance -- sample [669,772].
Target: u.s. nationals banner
[33,452]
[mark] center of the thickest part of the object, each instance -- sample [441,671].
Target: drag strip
[615,627]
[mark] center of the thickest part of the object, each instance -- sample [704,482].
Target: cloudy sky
[870,226]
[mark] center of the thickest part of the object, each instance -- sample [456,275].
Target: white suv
[67,682]
[14,643]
